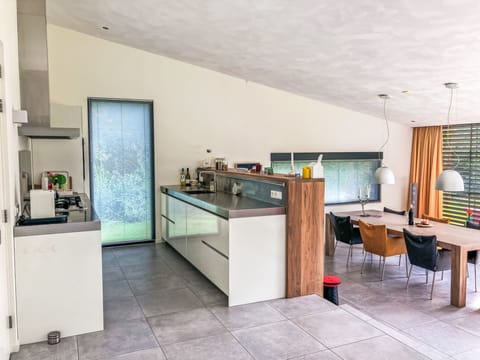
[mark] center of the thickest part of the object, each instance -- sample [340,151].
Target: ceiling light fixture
[450,180]
[384,175]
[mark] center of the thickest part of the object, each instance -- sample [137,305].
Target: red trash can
[330,288]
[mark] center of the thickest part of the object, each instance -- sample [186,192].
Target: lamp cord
[386,123]
[448,129]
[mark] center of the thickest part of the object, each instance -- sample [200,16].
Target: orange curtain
[426,166]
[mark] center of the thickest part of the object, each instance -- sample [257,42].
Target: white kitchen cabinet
[244,257]
[58,284]
[207,245]
[174,223]
[257,261]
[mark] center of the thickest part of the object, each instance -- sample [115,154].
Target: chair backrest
[421,250]
[440,220]
[472,225]
[374,237]
[391,211]
[342,227]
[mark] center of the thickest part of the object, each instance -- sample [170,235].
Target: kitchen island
[58,273]
[237,242]
[271,237]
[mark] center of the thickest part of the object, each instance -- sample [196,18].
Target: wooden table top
[447,235]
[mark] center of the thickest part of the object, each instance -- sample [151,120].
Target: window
[121,168]
[345,173]
[461,151]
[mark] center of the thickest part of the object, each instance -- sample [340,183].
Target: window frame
[150,103]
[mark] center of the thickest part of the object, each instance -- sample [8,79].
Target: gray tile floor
[157,306]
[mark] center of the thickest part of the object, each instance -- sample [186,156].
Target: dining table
[459,240]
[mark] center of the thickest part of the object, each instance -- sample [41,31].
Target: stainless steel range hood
[33,63]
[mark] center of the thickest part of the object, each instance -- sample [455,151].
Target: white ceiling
[342,52]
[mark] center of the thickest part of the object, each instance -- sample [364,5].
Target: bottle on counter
[183,181]
[188,178]
[410,215]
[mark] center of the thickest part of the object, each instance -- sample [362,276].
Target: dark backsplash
[255,189]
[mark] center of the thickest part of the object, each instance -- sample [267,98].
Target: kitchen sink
[196,191]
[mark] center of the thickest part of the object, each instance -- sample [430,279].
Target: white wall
[196,109]
[9,160]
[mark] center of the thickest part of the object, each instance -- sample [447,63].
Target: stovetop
[69,203]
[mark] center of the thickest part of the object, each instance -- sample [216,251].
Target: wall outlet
[276,194]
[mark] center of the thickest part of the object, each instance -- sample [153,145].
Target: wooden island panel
[305,237]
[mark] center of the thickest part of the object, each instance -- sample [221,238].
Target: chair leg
[399,260]
[475,275]
[426,276]
[406,265]
[363,263]
[348,255]
[383,268]
[408,275]
[433,284]
[442,275]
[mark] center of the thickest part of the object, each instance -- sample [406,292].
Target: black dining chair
[473,257]
[422,251]
[391,211]
[345,232]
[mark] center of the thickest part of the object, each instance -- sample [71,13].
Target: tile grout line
[146,319]
[398,332]
[144,316]
[230,332]
[240,343]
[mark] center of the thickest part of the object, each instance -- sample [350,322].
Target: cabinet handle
[217,251]
[173,222]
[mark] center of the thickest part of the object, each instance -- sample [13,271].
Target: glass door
[121,168]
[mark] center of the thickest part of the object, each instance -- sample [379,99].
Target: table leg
[329,237]
[458,286]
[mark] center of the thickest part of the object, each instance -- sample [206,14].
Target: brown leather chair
[376,241]
[440,220]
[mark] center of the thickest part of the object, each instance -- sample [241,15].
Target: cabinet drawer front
[215,266]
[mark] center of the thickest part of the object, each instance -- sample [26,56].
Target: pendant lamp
[450,180]
[384,175]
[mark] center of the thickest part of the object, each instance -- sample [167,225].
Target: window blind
[461,151]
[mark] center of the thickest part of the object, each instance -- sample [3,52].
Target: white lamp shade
[449,180]
[384,175]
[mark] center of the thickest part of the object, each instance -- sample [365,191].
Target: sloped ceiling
[342,52]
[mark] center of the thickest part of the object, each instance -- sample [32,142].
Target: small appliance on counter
[42,203]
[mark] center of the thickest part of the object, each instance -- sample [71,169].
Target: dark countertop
[223,204]
[78,220]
